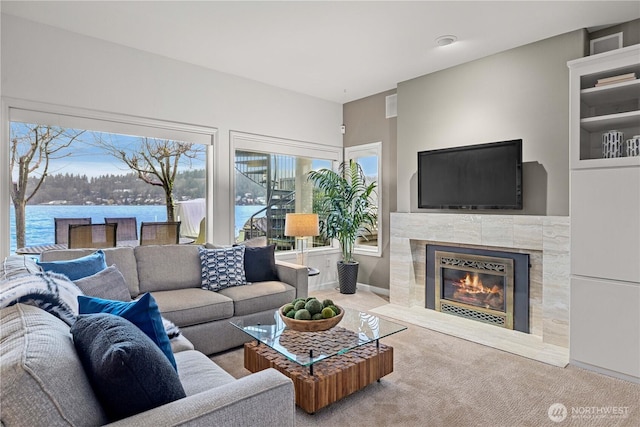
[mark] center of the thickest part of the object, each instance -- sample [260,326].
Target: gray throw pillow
[256,242]
[128,372]
[106,284]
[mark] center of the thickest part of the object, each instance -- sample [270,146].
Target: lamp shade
[301,225]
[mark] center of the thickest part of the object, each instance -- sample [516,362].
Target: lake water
[40,229]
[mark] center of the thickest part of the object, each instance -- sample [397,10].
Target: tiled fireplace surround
[545,238]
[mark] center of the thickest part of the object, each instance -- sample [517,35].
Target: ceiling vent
[391,106]
[606,43]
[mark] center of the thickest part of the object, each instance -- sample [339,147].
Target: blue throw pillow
[142,312]
[77,268]
[126,369]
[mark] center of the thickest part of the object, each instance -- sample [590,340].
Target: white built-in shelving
[605,217]
[598,109]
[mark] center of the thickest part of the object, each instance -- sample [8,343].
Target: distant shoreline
[40,226]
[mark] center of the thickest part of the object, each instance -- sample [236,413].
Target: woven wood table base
[333,378]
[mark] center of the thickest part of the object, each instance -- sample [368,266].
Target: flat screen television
[483,176]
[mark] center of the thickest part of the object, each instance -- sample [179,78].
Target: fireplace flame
[471,289]
[473,284]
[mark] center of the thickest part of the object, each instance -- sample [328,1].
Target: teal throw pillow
[126,369]
[77,268]
[143,313]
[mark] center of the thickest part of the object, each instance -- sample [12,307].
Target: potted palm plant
[347,208]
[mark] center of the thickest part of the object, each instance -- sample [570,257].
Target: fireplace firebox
[483,285]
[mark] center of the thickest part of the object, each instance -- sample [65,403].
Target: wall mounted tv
[483,176]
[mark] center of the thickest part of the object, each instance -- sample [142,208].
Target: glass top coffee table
[327,365]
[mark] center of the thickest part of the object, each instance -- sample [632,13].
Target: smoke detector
[446,40]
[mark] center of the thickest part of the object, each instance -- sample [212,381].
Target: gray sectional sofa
[172,274]
[44,382]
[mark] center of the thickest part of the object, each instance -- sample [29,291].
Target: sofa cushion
[222,268]
[107,284]
[179,344]
[121,257]
[260,263]
[77,268]
[142,312]
[16,265]
[186,307]
[127,370]
[40,366]
[259,296]
[168,267]
[198,373]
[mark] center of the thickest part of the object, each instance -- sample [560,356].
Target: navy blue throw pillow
[260,263]
[126,369]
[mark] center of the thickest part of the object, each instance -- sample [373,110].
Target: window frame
[81,118]
[362,150]
[275,145]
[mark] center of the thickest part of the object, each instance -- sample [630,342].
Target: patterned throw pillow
[222,268]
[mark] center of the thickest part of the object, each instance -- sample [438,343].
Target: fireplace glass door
[475,286]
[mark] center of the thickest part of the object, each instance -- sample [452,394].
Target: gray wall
[520,93]
[87,73]
[630,32]
[365,123]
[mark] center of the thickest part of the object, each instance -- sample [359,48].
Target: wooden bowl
[311,325]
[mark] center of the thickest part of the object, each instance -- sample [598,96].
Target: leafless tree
[156,162]
[32,148]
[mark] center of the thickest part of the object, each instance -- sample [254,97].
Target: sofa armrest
[295,275]
[264,398]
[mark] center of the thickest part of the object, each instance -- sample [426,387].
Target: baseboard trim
[604,371]
[334,285]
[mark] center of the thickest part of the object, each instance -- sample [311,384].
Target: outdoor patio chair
[202,235]
[62,227]
[92,236]
[159,233]
[127,227]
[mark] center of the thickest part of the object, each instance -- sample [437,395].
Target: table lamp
[300,226]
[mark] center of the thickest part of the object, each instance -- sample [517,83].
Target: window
[270,181]
[104,169]
[368,156]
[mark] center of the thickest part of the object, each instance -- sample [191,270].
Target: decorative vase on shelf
[632,146]
[612,144]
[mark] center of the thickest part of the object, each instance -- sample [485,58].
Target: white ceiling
[335,50]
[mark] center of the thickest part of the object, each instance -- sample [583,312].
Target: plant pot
[348,277]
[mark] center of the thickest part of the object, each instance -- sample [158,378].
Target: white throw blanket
[51,292]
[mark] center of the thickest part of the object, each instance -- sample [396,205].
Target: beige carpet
[439,380]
